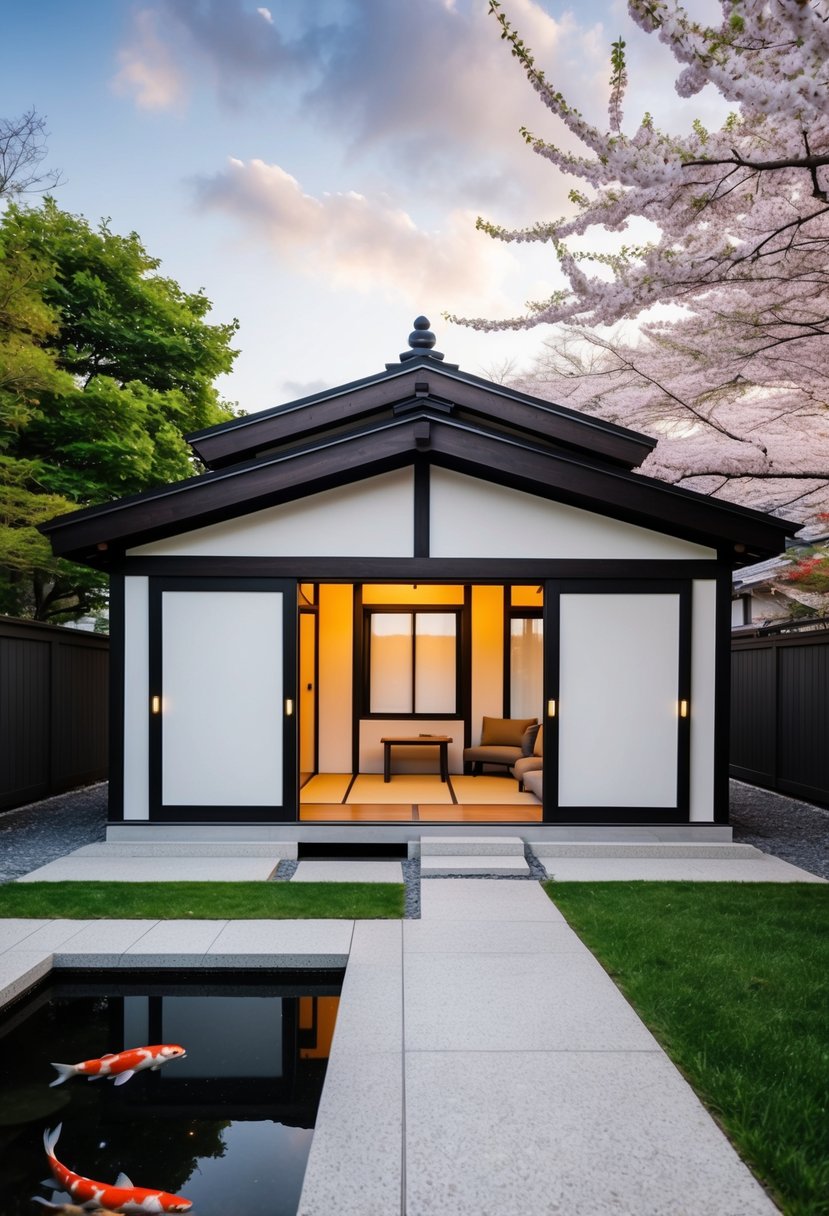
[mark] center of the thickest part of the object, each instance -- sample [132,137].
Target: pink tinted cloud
[355,242]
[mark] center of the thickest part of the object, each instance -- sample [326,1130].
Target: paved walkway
[485,1064]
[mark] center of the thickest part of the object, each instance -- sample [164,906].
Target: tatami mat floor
[331,797]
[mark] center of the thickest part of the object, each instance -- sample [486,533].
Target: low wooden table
[439,741]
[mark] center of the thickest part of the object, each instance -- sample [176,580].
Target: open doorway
[395,680]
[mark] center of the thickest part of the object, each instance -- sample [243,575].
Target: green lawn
[204,900]
[733,979]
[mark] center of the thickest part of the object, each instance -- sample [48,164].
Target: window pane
[391,663]
[435,678]
[526,694]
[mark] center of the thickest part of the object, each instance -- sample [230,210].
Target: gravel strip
[797,832]
[33,835]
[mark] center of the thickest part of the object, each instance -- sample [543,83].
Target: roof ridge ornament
[421,341]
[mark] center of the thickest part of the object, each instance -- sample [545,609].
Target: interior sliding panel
[222,706]
[620,693]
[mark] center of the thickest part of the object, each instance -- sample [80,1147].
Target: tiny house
[306,635]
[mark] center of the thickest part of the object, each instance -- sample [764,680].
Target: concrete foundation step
[443,856]
[635,848]
[471,846]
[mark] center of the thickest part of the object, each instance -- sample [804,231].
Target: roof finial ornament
[421,341]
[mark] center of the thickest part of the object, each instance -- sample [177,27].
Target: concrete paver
[577,1134]
[348,871]
[627,869]
[118,868]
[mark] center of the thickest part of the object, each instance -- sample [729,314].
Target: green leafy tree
[104,366]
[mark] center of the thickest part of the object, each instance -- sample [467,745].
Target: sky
[316,166]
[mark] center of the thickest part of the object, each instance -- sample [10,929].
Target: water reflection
[229,1126]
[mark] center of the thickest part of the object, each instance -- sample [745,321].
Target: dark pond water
[229,1127]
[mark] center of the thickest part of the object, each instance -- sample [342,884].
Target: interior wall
[703,699]
[487,657]
[406,593]
[336,622]
[136,699]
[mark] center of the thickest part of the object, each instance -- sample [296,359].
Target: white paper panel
[618,700]
[222,698]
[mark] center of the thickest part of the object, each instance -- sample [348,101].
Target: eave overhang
[100,535]
[469,397]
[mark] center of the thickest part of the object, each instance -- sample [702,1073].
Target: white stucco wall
[372,518]
[474,518]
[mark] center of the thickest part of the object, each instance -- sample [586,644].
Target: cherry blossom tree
[735,382]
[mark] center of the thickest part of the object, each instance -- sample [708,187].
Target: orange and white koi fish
[121,1065]
[72,1209]
[122,1197]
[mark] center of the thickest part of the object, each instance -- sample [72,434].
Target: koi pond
[225,1126]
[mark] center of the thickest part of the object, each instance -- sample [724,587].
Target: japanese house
[403,557]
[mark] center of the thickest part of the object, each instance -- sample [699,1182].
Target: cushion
[528,739]
[504,732]
[534,783]
[527,764]
[491,754]
[538,746]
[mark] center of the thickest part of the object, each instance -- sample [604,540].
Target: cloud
[359,243]
[266,15]
[148,71]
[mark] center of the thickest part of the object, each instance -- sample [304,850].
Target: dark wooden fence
[54,700]
[780,712]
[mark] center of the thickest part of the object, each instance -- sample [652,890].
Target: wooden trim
[117,694]
[466,668]
[358,673]
[418,569]
[552,680]
[722,698]
[422,510]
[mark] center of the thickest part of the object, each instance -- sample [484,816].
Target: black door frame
[288,811]
[553,590]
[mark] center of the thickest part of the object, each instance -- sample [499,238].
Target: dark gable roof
[469,441]
[406,386]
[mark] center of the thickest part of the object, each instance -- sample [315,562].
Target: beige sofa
[529,770]
[503,742]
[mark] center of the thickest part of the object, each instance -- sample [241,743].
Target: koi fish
[72,1209]
[123,1196]
[121,1065]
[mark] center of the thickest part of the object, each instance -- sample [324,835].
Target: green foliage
[104,366]
[732,980]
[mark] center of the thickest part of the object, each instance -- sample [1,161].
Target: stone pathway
[485,1064]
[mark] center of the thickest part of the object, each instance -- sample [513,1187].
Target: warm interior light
[156,705]
[683,709]
[551,709]
[289,707]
